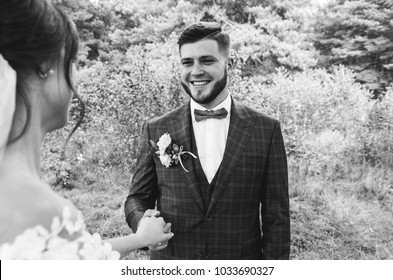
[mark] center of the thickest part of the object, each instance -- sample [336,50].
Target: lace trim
[66,240]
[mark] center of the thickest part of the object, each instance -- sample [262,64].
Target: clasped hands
[154,230]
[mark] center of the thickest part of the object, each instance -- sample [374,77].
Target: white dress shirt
[211,137]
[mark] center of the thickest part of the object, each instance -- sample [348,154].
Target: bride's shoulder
[40,224]
[27,202]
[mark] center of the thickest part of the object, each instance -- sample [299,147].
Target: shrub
[324,116]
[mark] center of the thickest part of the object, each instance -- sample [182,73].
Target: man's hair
[204,31]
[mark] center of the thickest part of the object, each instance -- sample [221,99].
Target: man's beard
[215,91]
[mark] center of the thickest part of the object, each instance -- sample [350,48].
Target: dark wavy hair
[203,31]
[33,32]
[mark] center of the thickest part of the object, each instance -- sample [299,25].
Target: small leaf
[153,144]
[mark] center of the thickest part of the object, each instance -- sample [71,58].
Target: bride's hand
[154,232]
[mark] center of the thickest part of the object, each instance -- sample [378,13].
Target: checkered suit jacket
[251,191]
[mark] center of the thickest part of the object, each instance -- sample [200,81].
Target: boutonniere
[169,152]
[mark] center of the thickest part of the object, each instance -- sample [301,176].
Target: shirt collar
[227,103]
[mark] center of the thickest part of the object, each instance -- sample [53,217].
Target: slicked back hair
[204,31]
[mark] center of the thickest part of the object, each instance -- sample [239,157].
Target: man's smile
[200,83]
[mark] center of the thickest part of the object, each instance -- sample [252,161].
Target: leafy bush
[324,116]
[378,144]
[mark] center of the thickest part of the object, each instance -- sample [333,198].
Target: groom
[238,184]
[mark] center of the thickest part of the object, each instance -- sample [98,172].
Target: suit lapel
[240,128]
[180,131]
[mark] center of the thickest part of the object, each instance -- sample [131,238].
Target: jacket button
[208,218]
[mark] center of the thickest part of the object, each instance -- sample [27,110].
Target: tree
[358,34]
[275,36]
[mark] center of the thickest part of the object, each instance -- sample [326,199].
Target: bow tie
[201,115]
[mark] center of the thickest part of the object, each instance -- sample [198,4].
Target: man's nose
[197,70]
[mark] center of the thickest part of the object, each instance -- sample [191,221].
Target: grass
[344,219]
[102,203]
[347,218]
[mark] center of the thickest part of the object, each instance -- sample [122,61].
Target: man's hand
[164,244]
[151,213]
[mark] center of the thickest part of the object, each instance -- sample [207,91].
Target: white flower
[160,152]
[164,141]
[165,160]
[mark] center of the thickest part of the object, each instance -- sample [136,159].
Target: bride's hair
[33,32]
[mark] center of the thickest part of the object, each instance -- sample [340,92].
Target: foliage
[93,22]
[271,42]
[378,144]
[106,26]
[324,116]
[264,37]
[154,21]
[359,35]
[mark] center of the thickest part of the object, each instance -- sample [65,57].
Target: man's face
[203,74]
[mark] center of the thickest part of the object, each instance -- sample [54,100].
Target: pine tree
[358,34]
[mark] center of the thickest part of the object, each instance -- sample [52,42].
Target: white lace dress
[66,240]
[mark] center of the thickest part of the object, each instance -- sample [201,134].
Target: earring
[44,75]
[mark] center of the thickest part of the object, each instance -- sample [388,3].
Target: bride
[37,48]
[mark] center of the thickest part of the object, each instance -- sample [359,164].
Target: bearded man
[219,170]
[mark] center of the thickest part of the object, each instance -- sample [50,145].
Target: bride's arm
[151,231]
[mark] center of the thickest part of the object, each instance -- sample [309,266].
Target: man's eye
[186,63]
[208,61]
